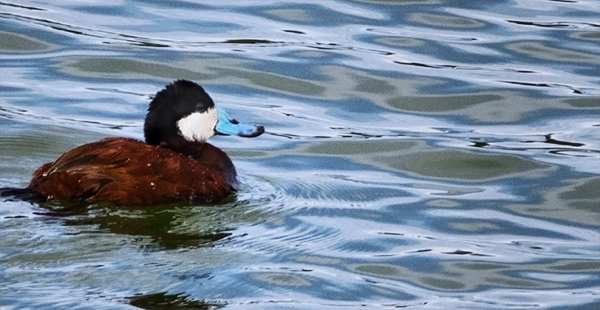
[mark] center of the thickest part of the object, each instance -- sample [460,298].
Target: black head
[184,110]
[178,100]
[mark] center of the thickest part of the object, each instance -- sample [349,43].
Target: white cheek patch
[199,126]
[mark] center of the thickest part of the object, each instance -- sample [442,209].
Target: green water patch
[16,43]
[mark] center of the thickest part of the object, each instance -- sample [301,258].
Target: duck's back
[130,172]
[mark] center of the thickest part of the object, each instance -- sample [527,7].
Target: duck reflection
[167,226]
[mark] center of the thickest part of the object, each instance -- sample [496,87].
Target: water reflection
[444,21]
[12,43]
[161,301]
[540,51]
[574,201]
[167,227]
[408,158]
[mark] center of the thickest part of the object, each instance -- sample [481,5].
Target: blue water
[418,154]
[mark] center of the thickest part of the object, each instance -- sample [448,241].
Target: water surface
[419,154]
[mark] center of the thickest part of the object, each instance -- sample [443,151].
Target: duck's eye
[234,121]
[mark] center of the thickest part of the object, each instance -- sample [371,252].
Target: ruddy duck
[174,164]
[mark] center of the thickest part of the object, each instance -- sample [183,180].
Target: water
[418,154]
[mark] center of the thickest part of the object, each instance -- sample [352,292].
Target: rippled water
[420,154]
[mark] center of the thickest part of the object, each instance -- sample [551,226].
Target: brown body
[130,172]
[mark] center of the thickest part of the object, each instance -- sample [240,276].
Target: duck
[174,163]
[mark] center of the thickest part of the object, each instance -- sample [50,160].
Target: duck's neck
[207,154]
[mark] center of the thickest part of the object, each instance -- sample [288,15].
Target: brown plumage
[131,172]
